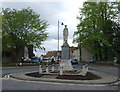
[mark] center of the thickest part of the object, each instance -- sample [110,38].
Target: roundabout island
[92,77]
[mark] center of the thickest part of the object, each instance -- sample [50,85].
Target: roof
[74,48]
[52,53]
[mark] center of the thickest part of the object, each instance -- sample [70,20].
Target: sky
[65,11]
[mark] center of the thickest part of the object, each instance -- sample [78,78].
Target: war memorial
[64,71]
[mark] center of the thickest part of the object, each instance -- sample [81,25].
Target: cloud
[65,11]
[51,45]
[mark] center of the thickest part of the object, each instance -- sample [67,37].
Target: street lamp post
[58,36]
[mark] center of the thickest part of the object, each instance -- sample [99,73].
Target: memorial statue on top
[65,35]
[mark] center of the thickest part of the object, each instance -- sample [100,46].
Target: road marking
[7,76]
[118,82]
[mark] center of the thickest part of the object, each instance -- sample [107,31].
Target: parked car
[74,61]
[58,60]
[92,60]
[27,60]
[35,60]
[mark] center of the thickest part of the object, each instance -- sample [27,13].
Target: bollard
[53,68]
[61,70]
[84,70]
[58,67]
[47,70]
[40,69]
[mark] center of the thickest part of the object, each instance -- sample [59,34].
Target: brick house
[53,53]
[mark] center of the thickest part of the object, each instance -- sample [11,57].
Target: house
[53,53]
[85,55]
[74,54]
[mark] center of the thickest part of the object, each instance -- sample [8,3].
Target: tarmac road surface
[14,84]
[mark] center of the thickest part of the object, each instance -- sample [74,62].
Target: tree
[0,36]
[22,28]
[95,29]
[0,24]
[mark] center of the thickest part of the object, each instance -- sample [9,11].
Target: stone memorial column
[65,61]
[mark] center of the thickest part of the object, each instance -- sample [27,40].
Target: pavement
[105,78]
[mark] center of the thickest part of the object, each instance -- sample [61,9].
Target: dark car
[74,61]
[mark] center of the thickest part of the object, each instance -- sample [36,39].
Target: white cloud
[32,0]
[65,11]
[51,45]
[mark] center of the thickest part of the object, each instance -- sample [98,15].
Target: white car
[46,60]
[27,60]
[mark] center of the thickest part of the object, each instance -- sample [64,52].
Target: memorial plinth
[65,62]
[65,51]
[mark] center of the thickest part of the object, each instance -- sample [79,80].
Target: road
[27,85]
[106,69]
[13,84]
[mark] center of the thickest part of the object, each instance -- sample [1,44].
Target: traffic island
[97,78]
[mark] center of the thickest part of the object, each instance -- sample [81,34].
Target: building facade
[75,54]
[53,53]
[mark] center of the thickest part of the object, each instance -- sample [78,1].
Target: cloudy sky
[65,11]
